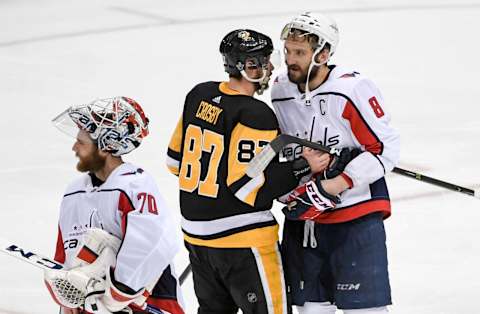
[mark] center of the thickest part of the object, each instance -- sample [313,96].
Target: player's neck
[111,164]
[241,86]
[317,80]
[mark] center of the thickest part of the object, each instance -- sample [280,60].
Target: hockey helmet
[324,27]
[244,45]
[117,124]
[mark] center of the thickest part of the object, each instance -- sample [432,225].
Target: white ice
[424,55]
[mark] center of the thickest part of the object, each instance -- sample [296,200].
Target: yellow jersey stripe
[255,237]
[176,139]
[270,268]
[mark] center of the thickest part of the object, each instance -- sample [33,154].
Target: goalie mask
[117,124]
[244,48]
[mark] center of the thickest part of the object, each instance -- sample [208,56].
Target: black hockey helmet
[241,45]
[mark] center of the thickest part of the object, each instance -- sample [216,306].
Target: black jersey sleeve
[256,128]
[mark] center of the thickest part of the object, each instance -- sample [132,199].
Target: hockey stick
[185,274]
[27,256]
[258,164]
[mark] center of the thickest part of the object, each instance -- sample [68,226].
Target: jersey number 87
[196,142]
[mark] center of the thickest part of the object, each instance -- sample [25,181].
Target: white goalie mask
[324,27]
[117,124]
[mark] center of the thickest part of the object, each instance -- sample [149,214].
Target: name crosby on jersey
[208,112]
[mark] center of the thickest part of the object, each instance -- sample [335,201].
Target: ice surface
[422,54]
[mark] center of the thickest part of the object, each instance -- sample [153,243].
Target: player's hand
[309,201]
[317,160]
[70,311]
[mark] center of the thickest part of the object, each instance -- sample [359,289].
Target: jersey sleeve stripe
[173,165]
[124,206]
[361,129]
[176,139]
[60,250]
[248,192]
[173,154]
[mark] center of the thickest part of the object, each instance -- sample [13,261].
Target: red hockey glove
[309,201]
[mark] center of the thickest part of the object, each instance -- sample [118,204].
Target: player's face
[255,71]
[298,55]
[89,158]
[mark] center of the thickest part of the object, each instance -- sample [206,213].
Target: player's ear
[323,55]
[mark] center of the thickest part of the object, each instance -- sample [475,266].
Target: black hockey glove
[300,168]
[308,201]
[339,163]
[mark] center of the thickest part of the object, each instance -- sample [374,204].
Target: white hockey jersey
[129,206]
[347,110]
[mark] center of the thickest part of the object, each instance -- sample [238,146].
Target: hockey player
[229,230]
[113,220]
[338,257]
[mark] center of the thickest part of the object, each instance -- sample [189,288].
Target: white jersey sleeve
[150,239]
[369,124]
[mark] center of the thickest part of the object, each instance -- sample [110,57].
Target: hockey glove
[309,201]
[69,288]
[338,163]
[115,298]
[300,168]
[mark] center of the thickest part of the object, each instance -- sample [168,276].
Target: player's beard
[300,75]
[92,162]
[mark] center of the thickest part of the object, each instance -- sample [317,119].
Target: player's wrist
[335,186]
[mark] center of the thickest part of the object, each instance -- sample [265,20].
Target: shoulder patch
[139,170]
[348,75]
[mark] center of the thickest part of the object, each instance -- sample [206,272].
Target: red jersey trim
[59,250]
[348,179]
[124,206]
[355,211]
[361,130]
[119,297]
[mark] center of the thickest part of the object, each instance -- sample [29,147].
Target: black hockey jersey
[219,132]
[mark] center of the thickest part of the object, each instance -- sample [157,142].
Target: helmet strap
[263,80]
[312,64]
